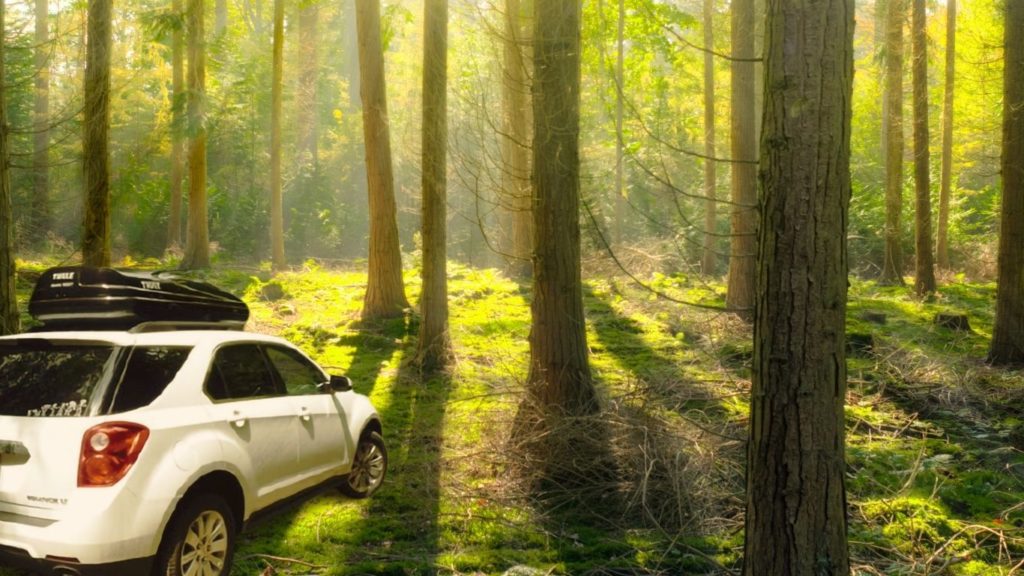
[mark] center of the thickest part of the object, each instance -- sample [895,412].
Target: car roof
[163,338]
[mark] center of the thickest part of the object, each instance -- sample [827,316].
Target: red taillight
[108,452]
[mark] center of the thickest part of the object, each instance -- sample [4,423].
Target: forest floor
[935,437]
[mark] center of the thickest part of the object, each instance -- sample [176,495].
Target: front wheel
[369,464]
[200,540]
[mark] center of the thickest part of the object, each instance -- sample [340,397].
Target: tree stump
[875,317]
[859,344]
[957,322]
[272,292]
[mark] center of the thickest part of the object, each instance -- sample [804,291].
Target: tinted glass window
[299,375]
[240,372]
[150,369]
[46,378]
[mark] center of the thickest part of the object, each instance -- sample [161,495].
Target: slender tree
[385,293]
[924,282]
[796,502]
[95,138]
[309,61]
[220,23]
[518,134]
[40,221]
[620,78]
[197,246]
[9,319]
[434,343]
[892,266]
[942,244]
[276,201]
[742,263]
[177,122]
[559,379]
[1008,334]
[709,258]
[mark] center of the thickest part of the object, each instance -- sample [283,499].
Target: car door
[323,448]
[250,400]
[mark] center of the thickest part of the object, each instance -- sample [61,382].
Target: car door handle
[237,419]
[304,413]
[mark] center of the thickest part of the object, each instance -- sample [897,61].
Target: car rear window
[47,378]
[148,372]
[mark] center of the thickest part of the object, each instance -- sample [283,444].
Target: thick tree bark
[709,260]
[9,319]
[95,138]
[924,282]
[177,123]
[559,379]
[197,247]
[742,263]
[40,221]
[276,201]
[434,343]
[945,188]
[385,293]
[892,266]
[518,136]
[1008,334]
[796,504]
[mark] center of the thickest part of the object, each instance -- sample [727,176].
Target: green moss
[910,525]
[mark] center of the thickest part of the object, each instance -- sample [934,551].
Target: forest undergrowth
[935,437]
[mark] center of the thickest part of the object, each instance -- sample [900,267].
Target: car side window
[150,369]
[300,376]
[239,372]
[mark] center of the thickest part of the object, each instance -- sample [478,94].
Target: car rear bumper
[18,558]
[91,537]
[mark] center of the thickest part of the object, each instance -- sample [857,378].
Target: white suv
[145,452]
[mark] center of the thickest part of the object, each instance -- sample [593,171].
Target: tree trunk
[924,282]
[350,37]
[40,221]
[1008,334]
[434,344]
[892,266]
[307,117]
[276,202]
[9,319]
[742,264]
[559,380]
[177,122]
[95,138]
[620,78]
[385,293]
[709,260]
[796,503]
[518,120]
[197,247]
[221,17]
[945,191]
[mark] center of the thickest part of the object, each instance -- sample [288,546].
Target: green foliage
[934,468]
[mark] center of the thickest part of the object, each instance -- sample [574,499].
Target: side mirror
[341,383]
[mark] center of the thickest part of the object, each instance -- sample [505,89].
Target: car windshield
[49,378]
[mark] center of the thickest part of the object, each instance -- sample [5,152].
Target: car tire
[200,539]
[369,465]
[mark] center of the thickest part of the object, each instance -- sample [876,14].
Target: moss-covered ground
[935,437]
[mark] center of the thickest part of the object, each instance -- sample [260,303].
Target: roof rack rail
[171,326]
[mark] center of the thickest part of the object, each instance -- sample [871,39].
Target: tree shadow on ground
[663,484]
[398,531]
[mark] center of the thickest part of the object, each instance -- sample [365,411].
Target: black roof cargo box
[85,298]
